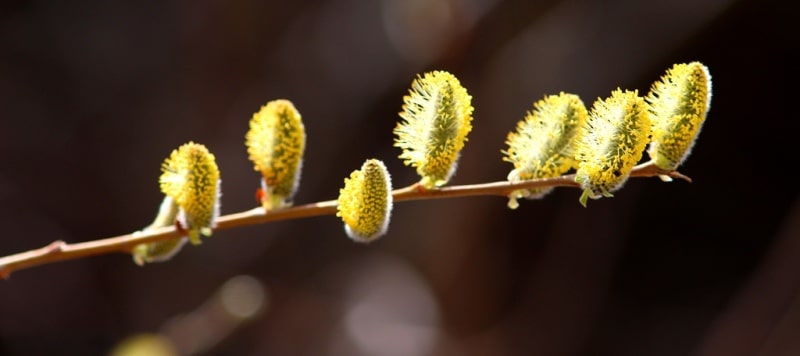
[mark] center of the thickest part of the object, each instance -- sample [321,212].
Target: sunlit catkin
[437,116]
[616,135]
[543,146]
[275,143]
[678,106]
[191,178]
[365,202]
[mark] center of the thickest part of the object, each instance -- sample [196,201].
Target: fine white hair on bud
[190,177]
[678,105]
[159,251]
[437,116]
[543,146]
[365,202]
[616,135]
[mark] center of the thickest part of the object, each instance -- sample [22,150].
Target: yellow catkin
[275,143]
[616,135]
[436,118]
[678,106]
[190,177]
[365,202]
[543,146]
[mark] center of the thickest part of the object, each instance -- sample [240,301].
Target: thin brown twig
[62,251]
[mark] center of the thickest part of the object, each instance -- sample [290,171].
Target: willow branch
[62,251]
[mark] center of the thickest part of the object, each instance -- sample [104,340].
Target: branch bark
[61,251]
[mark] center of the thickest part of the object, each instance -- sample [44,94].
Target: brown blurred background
[94,95]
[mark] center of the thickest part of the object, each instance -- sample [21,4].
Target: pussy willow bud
[275,143]
[543,146]
[437,116]
[678,106]
[613,142]
[161,250]
[365,202]
[191,178]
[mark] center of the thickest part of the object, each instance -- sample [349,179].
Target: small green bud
[160,251]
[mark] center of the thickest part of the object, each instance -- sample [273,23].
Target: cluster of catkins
[601,145]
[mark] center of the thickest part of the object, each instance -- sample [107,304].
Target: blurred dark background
[94,95]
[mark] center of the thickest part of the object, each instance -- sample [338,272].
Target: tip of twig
[679,175]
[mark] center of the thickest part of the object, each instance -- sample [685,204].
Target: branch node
[55,247]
